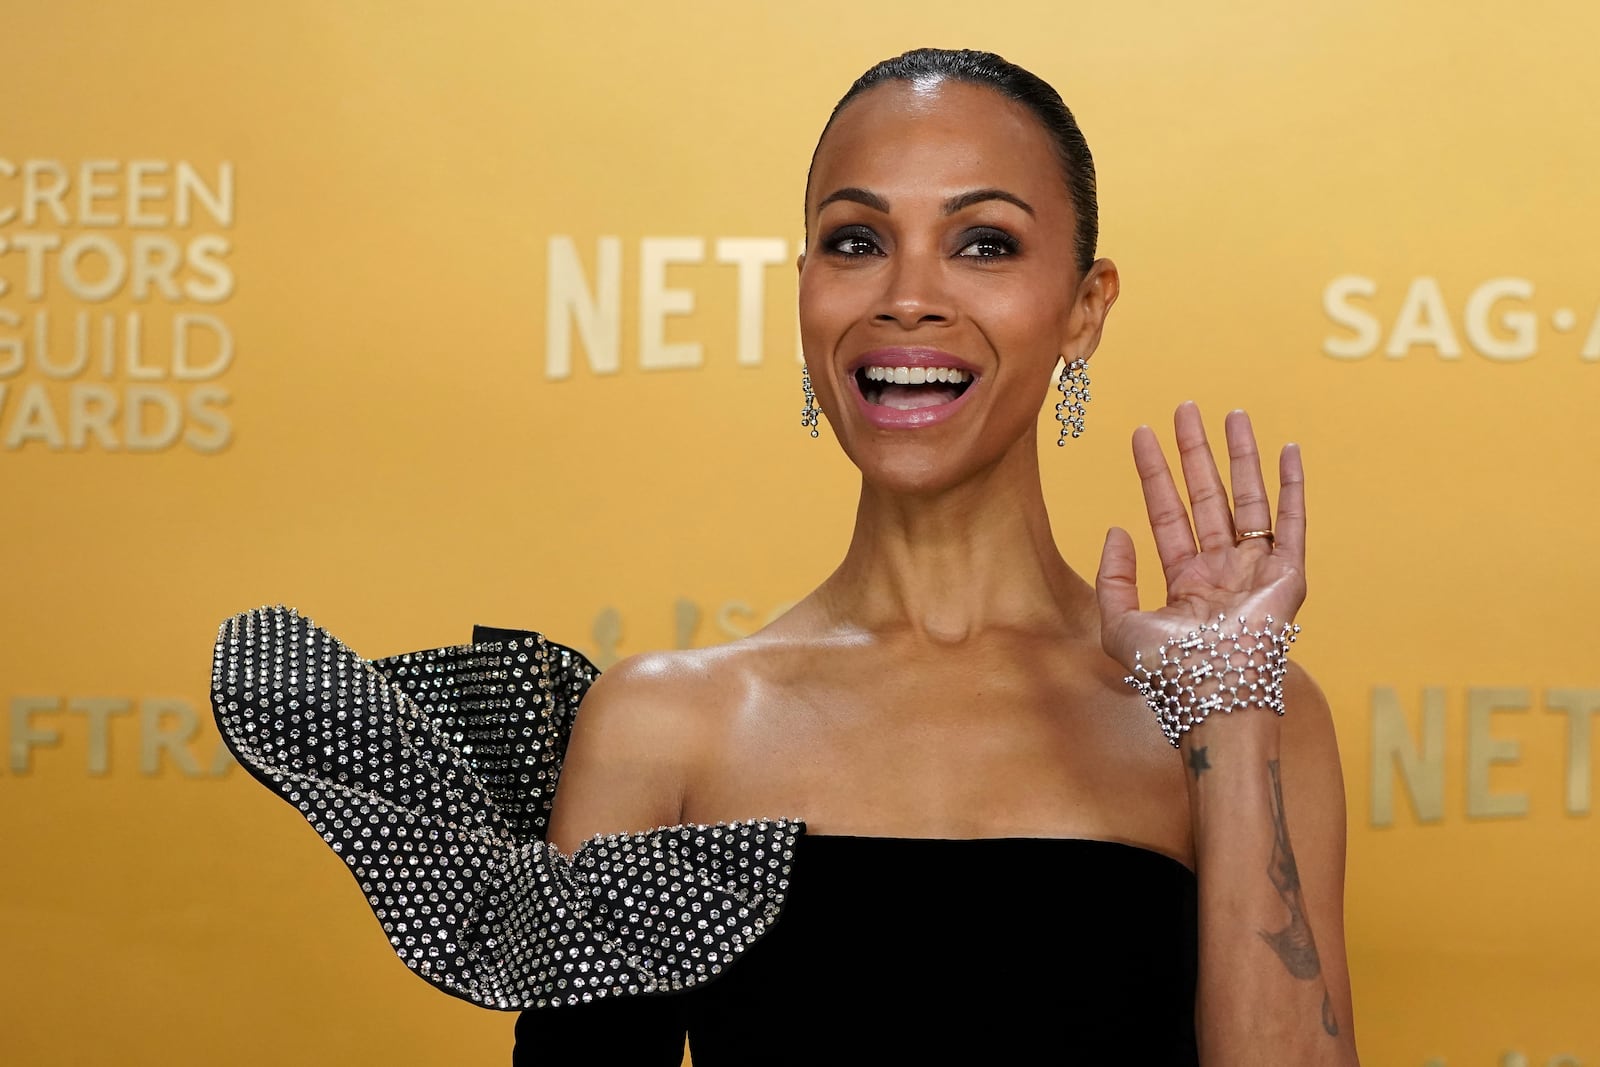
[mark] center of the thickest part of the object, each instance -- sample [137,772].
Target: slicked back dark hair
[1014,83]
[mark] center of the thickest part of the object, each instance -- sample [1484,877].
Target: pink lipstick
[907,388]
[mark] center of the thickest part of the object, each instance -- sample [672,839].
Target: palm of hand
[1209,572]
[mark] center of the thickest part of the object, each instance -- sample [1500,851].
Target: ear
[1090,305]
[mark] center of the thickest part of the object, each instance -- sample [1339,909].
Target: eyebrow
[857,195]
[978,196]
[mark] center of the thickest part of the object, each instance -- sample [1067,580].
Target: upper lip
[899,356]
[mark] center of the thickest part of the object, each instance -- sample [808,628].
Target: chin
[925,463]
[912,468]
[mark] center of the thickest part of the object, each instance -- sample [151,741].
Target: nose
[914,292]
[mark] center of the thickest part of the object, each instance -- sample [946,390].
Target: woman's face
[940,253]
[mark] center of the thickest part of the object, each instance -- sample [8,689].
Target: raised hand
[1210,569]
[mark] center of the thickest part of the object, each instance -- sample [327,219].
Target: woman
[1001,856]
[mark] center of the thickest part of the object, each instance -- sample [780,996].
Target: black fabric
[918,951]
[431,775]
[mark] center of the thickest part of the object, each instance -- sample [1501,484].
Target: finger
[1213,519]
[1116,586]
[1291,531]
[1169,519]
[1251,508]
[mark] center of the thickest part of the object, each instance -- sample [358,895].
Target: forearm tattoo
[1294,944]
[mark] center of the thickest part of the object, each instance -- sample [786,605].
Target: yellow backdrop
[420,315]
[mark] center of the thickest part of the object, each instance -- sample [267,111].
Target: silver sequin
[431,775]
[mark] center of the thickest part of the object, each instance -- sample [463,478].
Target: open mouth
[911,388]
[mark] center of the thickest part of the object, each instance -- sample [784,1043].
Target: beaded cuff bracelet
[1212,669]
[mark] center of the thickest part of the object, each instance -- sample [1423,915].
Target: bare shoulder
[634,743]
[649,699]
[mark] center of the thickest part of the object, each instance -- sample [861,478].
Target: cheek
[827,309]
[1028,331]
[820,330]
[1027,324]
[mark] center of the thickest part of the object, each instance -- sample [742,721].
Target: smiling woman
[948,194]
[924,814]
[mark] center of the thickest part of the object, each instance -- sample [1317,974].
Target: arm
[1274,986]
[624,768]
[620,774]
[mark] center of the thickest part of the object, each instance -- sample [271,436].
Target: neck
[947,565]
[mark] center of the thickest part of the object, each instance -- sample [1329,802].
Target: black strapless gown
[431,774]
[923,951]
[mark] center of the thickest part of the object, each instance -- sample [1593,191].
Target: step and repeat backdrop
[421,315]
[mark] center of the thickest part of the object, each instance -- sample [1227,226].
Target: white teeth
[916,375]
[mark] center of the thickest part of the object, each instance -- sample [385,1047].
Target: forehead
[938,139]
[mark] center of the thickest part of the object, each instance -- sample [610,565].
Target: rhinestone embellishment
[1212,669]
[431,774]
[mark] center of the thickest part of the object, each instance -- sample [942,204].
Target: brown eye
[853,241]
[988,244]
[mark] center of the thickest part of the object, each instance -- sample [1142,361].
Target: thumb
[1115,585]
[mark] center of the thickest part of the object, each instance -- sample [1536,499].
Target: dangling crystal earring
[809,413]
[1074,386]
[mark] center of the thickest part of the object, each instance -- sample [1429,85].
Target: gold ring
[1244,535]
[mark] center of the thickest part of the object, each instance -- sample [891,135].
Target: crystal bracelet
[1212,669]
